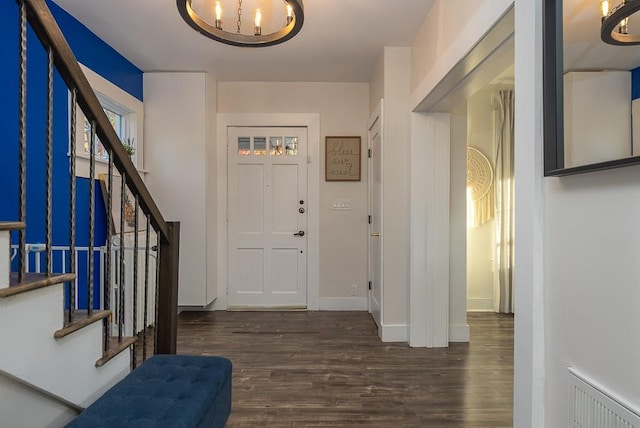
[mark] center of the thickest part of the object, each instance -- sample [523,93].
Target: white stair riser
[5,258]
[65,367]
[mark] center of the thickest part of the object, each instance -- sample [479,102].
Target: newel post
[167,322]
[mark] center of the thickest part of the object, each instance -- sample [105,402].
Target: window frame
[120,102]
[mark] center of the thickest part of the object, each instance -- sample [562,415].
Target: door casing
[376,220]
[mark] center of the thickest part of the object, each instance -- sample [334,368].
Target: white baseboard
[393,333]
[459,333]
[480,305]
[343,304]
[210,307]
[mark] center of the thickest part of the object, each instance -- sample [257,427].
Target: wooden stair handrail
[50,35]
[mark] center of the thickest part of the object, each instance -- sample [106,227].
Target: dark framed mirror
[591,88]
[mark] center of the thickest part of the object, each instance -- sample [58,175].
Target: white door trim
[428,297]
[376,116]
[312,122]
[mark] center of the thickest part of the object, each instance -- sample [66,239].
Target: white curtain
[503,105]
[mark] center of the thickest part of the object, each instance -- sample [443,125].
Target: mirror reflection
[601,85]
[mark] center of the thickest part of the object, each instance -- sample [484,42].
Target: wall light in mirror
[615,22]
[590,91]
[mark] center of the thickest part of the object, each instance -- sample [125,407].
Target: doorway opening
[481,189]
[488,150]
[444,133]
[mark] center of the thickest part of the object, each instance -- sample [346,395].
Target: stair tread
[81,319]
[115,348]
[34,281]
[12,225]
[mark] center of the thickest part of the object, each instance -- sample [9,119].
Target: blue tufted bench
[173,391]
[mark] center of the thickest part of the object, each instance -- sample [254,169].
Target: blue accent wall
[91,51]
[635,83]
[98,56]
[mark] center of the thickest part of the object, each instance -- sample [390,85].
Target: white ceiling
[583,48]
[341,40]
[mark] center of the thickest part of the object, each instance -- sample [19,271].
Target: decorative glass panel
[291,146]
[87,136]
[275,146]
[244,146]
[100,152]
[116,121]
[260,146]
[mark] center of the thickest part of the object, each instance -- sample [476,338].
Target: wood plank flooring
[311,369]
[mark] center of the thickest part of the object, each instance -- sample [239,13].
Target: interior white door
[375,219]
[267,219]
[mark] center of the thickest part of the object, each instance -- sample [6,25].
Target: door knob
[301,233]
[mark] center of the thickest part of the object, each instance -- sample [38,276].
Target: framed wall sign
[342,159]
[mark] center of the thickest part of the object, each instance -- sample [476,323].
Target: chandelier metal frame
[243,40]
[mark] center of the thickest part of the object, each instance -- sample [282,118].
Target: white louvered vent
[591,407]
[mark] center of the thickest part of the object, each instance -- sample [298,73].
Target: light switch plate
[341,204]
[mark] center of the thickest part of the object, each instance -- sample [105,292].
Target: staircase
[57,367]
[56,360]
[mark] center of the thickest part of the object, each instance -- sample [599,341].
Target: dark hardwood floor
[305,369]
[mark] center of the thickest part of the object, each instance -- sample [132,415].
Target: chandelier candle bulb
[624,26]
[258,28]
[218,21]
[289,14]
[604,8]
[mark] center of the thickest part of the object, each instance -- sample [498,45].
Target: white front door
[267,218]
[375,219]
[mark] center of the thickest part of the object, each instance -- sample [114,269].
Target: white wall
[592,248]
[211,194]
[343,109]
[437,48]
[396,185]
[434,39]
[179,108]
[376,84]
[529,343]
[480,241]
[458,328]
[391,81]
[23,407]
[597,108]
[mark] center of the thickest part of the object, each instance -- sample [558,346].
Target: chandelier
[273,21]
[615,22]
